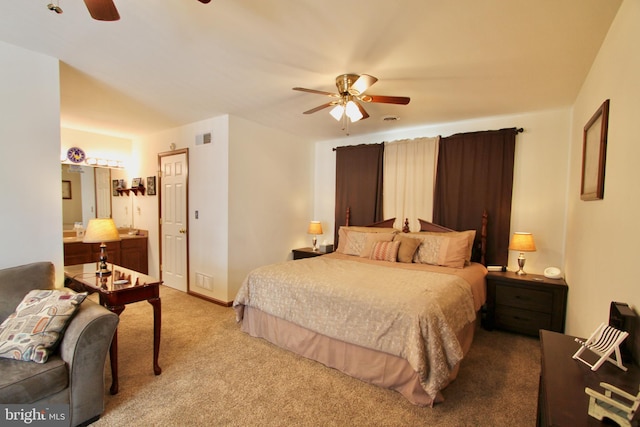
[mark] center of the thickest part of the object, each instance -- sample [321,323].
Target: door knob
[182,230]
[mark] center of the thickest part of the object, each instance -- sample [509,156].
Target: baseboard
[213,300]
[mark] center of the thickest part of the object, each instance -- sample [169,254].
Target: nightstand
[306,253]
[525,304]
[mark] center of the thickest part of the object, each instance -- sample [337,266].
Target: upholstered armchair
[73,373]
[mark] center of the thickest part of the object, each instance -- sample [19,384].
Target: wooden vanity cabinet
[130,252]
[134,255]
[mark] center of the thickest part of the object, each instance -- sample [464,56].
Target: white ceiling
[167,63]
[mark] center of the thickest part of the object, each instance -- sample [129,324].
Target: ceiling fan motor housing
[344,82]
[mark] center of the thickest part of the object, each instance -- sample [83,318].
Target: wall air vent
[205,138]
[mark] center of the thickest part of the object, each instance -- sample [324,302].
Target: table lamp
[101,230]
[522,242]
[315,228]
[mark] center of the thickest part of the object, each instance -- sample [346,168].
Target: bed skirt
[372,366]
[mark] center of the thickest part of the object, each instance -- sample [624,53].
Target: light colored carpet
[215,375]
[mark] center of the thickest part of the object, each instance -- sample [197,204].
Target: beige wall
[31,194]
[252,189]
[602,236]
[208,188]
[270,197]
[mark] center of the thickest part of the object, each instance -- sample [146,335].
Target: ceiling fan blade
[318,92]
[102,10]
[363,111]
[320,107]
[403,100]
[363,83]
[204,1]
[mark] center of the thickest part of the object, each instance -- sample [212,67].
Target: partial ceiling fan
[102,10]
[346,105]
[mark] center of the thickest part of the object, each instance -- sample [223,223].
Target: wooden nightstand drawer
[523,321]
[524,304]
[529,299]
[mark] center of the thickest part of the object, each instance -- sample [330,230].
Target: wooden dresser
[561,397]
[525,304]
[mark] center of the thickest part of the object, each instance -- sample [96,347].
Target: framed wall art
[135,183]
[66,189]
[594,154]
[151,185]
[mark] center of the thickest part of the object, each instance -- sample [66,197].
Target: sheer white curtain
[409,180]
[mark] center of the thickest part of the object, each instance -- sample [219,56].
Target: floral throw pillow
[32,332]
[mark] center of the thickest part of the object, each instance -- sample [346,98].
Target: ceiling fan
[102,10]
[346,103]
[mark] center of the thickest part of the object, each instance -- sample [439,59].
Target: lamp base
[103,270]
[521,261]
[315,244]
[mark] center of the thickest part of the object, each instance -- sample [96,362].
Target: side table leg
[157,322]
[113,353]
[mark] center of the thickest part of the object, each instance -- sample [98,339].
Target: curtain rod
[518,130]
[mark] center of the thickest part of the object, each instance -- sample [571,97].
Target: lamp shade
[101,230]
[337,111]
[353,112]
[315,227]
[522,242]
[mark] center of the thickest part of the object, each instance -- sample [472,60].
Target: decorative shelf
[135,191]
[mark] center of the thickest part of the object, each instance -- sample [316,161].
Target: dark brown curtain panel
[475,173]
[358,184]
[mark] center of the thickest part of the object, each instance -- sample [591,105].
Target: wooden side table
[114,296]
[306,253]
[525,304]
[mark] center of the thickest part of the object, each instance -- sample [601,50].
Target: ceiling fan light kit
[351,88]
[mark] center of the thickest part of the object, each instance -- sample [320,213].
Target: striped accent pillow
[385,251]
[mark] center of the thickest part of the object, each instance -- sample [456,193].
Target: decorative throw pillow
[407,249]
[35,328]
[353,242]
[371,239]
[453,251]
[385,251]
[470,235]
[446,249]
[429,248]
[351,239]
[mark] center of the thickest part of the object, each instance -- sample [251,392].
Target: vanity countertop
[124,236]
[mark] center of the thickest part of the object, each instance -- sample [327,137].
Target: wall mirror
[90,194]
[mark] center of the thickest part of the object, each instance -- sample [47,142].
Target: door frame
[184,151]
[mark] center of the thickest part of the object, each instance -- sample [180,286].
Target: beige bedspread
[403,310]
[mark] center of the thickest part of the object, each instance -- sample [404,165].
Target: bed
[392,308]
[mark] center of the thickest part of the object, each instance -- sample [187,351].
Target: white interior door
[173,220]
[103,192]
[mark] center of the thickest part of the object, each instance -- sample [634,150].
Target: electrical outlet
[196,214]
